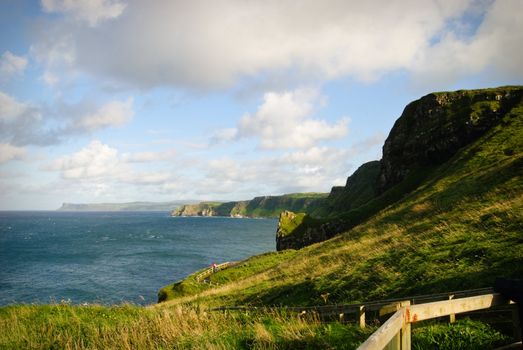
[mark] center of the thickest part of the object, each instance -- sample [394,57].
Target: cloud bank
[23,124]
[209,45]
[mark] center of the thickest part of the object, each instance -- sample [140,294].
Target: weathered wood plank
[384,334]
[420,312]
[405,336]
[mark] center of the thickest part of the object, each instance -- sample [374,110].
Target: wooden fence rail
[211,270]
[358,311]
[396,332]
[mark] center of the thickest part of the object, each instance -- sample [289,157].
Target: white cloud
[494,48]
[146,157]
[113,113]
[90,11]
[95,160]
[283,121]
[9,152]
[98,163]
[23,124]
[314,169]
[10,108]
[201,44]
[11,64]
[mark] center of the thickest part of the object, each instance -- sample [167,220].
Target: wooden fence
[211,270]
[359,312]
[396,332]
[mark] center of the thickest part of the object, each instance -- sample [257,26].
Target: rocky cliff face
[201,209]
[432,129]
[428,133]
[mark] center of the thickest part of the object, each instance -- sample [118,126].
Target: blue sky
[125,100]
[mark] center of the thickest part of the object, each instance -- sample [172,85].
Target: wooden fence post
[406,329]
[394,344]
[361,316]
[452,317]
[405,336]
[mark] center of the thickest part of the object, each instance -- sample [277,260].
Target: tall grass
[131,327]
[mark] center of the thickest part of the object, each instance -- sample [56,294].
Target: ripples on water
[115,257]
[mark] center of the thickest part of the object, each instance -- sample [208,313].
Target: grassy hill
[459,227]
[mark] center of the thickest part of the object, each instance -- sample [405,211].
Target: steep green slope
[459,227]
[266,206]
[428,133]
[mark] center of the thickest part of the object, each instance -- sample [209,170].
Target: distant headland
[130,206]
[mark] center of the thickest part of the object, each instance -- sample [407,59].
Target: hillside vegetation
[266,206]
[452,225]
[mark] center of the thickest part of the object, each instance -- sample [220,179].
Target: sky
[130,100]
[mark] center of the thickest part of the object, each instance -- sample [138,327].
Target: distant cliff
[266,206]
[131,206]
[428,134]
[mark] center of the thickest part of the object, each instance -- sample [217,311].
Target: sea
[115,257]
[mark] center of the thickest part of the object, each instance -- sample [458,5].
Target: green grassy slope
[460,228]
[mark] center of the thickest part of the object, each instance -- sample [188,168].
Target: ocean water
[115,257]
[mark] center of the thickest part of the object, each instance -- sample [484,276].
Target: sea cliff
[427,135]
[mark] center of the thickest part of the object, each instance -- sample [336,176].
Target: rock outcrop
[201,209]
[432,129]
[297,230]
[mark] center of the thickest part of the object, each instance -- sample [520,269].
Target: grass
[131,327]
[463,335]
[246,268]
